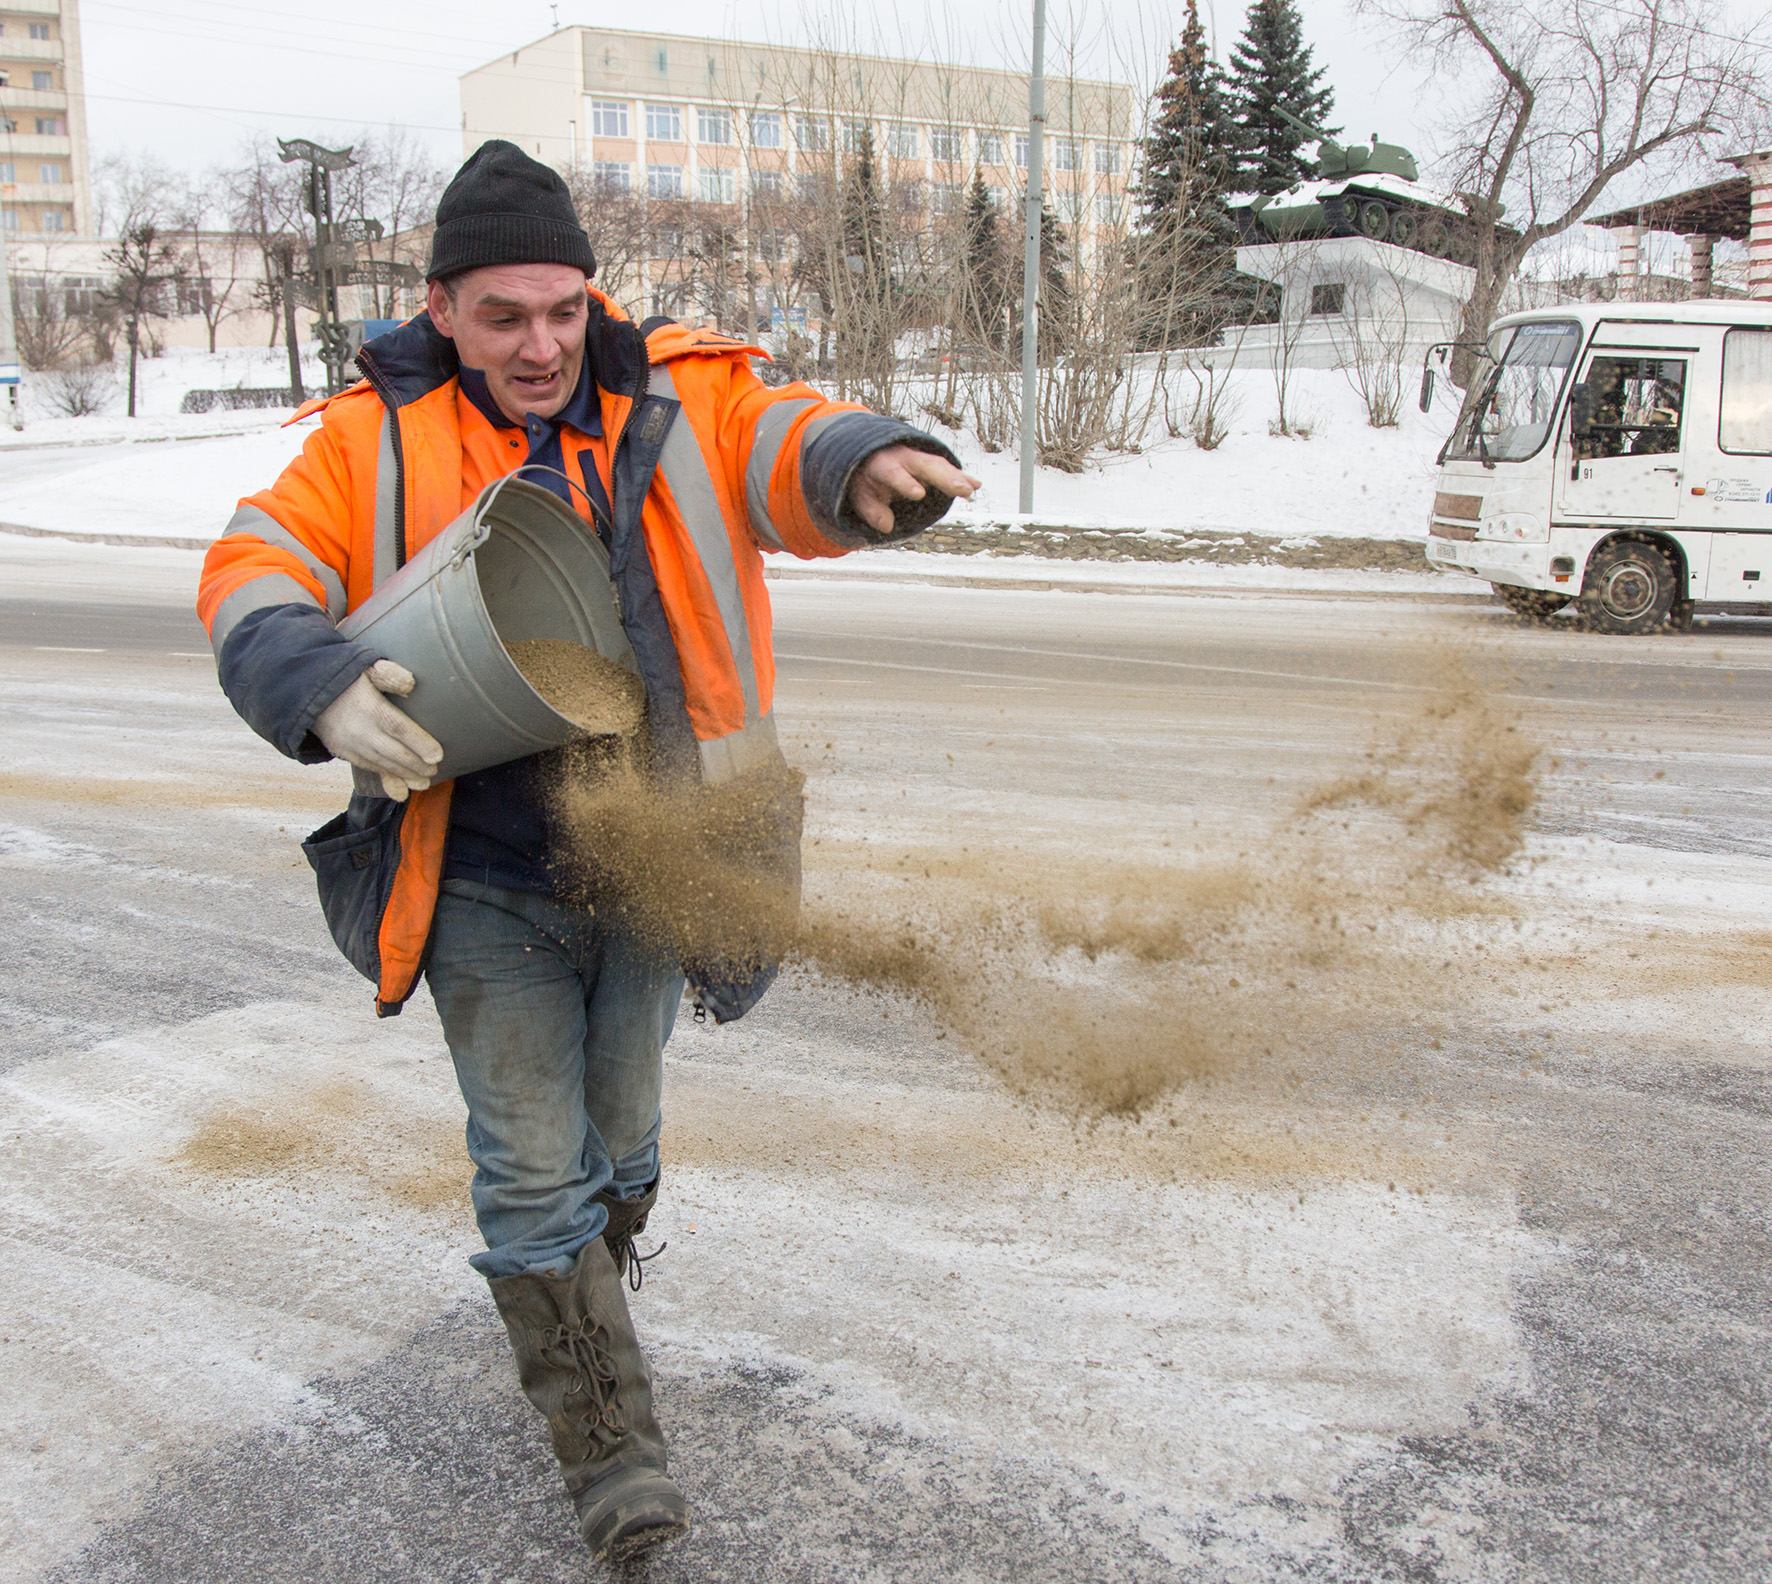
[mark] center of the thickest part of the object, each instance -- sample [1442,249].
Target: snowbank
[1346,479]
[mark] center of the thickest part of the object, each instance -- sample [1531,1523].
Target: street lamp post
[9,365]
[1030,268]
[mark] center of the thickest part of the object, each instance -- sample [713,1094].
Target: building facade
[762,135]
[45,176]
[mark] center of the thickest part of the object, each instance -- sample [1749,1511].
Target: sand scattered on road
[339,1129]
[1105,986]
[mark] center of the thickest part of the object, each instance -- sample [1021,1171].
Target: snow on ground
[161,384]
[1346,479]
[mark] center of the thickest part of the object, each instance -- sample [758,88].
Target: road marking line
[1066,654]
[65,649]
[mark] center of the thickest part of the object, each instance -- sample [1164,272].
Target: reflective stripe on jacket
[704,467]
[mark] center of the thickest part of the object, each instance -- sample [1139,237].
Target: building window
[609,117]
[1327,297]
[1107,159]
[1746,428]
[667,241]
[51,220]
[42,82]
[719,184]
[49,175]
[990,148]
[40,30]
[909,197]
[854,136]
[999,197]
[1021,149]
[765,129]
[1064,154]
[947,197]
[664,123]
[812,135]
[766,184]
[664,181]
[712,126]
[6,171]
[661,60]
[902,140]
[769,246]
[49,126]
[613,177]
[1107,208]
[944,144]
[9,219]
[806,188]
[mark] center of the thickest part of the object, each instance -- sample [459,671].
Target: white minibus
[1615,453]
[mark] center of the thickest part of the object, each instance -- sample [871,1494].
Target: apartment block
[45,180]
[715,121]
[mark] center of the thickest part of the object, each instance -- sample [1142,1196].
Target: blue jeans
[557,1023]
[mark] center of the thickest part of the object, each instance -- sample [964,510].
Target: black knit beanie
[505,208]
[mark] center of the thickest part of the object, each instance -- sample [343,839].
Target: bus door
[1620,455]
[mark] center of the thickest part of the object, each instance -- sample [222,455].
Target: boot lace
[582,1348]
[630,1261]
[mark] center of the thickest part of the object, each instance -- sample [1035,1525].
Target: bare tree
[215,284]
[47,331]
[141,198]
[1372,339]
[1549,102]
[263,197]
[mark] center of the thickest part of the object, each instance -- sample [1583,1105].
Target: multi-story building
[755,130]
[45,181]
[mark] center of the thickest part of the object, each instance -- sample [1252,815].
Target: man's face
[523,326]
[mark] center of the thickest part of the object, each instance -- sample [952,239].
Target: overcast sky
[190,79]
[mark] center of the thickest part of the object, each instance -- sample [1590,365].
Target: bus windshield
[1511,418]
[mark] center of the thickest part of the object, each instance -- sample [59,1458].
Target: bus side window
[1628,406]
[1745,420]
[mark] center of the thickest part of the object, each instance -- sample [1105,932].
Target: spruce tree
[989,264]
[1185,251]
[1270,71]
[1192,141]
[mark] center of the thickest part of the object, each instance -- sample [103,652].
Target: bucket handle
[491,495]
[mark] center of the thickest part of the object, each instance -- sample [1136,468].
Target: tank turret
[1336,162]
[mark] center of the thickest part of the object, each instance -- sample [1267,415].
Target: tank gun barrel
[1303,126]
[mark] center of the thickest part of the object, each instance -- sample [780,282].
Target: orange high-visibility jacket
[704,467]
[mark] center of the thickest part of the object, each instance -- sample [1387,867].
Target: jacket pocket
[354,858]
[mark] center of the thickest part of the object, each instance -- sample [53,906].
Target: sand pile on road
[1105,985]
[596,693]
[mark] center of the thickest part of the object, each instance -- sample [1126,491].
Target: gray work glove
[364,729]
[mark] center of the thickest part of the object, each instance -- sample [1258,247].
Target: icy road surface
[1510,1323]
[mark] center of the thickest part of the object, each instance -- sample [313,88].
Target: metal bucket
[518,564]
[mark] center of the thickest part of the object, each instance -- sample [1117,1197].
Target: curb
[1062,586]
[928,579]
[116,440]
[147,541]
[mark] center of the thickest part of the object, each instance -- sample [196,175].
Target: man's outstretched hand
[903,473]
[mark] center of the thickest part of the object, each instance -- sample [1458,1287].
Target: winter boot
[581,1365]
[627,1220]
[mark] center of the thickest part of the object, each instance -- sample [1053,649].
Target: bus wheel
[1630,588]
[1533,604]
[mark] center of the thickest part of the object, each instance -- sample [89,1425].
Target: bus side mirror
[1427,388]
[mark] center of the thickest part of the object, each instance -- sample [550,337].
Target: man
[556,1015]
